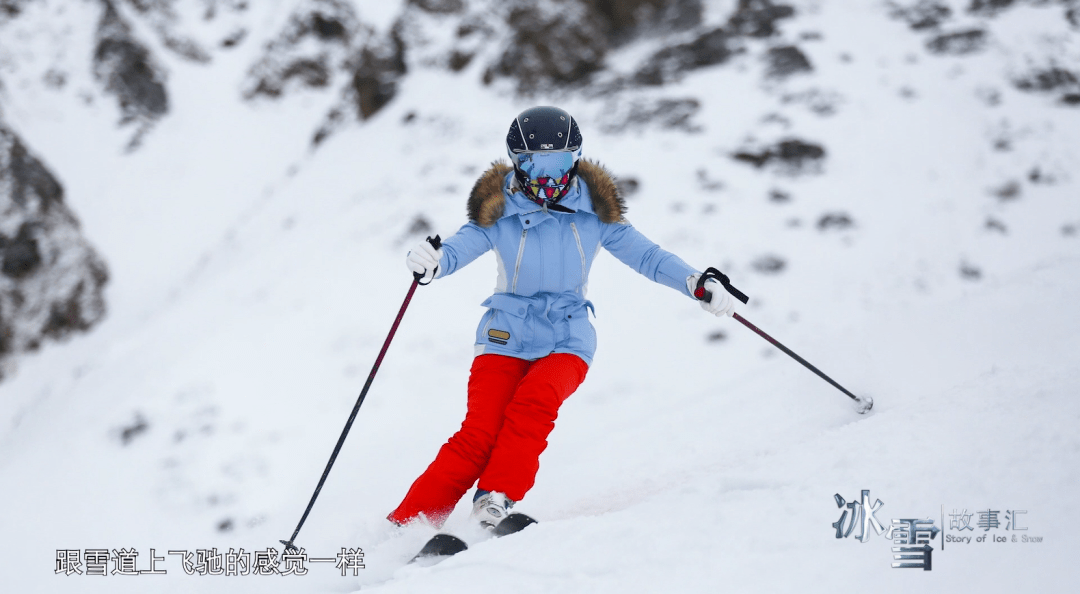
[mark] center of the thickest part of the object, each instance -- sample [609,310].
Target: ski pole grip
[705,295]
[436,243]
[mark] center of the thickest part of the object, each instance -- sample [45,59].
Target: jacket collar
[496,195]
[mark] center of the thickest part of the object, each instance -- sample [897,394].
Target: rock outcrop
[51,279]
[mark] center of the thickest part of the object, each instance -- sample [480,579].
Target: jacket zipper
[581,251]
[517,265]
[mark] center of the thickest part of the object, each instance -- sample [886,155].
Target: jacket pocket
[504,323]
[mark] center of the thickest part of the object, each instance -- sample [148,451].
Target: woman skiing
[545,215]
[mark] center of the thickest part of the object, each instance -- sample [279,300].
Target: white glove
[424,260]
[722,303]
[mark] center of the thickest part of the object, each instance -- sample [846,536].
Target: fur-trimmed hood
[487,201]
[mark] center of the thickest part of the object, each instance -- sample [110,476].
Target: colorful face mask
[546,174]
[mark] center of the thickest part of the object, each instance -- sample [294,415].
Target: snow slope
[255,280]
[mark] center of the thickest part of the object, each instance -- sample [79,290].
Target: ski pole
[289,544]
[862,405]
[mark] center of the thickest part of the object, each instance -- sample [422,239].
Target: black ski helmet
[544,145]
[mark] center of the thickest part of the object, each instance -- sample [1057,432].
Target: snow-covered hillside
[893,183]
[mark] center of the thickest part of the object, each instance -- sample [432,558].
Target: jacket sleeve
[636,251]
[461,248]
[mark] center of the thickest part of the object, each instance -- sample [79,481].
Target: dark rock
[468,28]
[624,19]
[958,43]
[374,71]
[186,48]
[709,49]
[419,226]
[333,120]
[798,152]
[10,9]
[785,61]
[779,196]
[30,181]
[20,255]
[757,18]
[769,265]
[148,5]
[1037,176]
[162,16]
[315,43]
[135,429]
[51,280]
[566,48]
[989,7]
[970,272]
[716,336]
[1010,190]
[1073,16]
[328,28]
[226,525]
[547,49]
[70,315]
[671,114]
[791,156]
[126,69]
[925,14]
[627,186]
[234,39]
[459,60]
[311,73]
[1071,99]
[751,18]
[835,221]
[758,159]
[7,339]
[995,225]
[439,6]
[375,75]
[1046,80]
[677,15]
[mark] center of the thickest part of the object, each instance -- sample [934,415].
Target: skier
[545,215]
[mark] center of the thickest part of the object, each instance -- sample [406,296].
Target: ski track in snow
[254,282]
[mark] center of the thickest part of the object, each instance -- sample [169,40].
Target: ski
[445,545]
[515,522]
[438,548]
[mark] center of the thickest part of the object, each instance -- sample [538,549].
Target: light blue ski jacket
[544,258]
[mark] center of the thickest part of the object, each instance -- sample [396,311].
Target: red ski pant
[513,404]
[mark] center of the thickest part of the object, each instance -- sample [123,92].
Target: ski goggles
[547,173]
